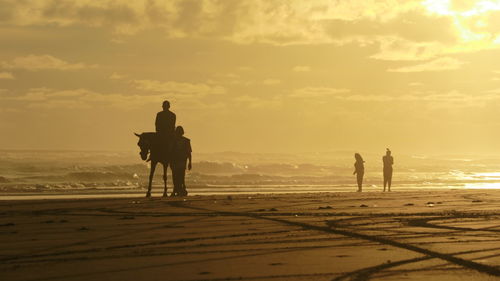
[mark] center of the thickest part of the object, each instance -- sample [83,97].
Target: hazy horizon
[253,76]
[350,152]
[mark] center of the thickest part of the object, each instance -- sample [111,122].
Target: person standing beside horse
[181,155]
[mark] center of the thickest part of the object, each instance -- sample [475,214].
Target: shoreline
[222,191]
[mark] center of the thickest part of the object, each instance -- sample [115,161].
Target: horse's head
[144,145]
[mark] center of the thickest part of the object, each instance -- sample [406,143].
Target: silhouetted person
[165,120]
[359,170]
[181,155]
[388,161]
[165,126]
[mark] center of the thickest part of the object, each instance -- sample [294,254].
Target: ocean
[43,174]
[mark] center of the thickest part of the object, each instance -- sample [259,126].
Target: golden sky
[253,75]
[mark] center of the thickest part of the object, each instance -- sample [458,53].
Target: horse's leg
[151,174]
[165,166]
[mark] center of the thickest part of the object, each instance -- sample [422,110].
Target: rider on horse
[165,127]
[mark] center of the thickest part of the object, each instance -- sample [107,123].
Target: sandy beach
[438,235]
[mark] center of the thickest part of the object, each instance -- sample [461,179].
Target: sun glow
[445,8]
[472,24]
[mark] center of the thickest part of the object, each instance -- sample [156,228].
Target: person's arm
[157,122]
[355,170]
[189,155]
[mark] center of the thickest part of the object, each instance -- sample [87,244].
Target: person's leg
[182,185]
[182,174]
[177,179]
[359,178]
[184,190]
[389,181]
[362,174]
[385,179]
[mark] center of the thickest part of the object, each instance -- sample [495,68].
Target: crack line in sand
[459,261]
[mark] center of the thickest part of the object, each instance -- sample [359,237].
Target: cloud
[452,98]
[271,81]
[318,92]
[6,75]
[117,14]
[277,22]
[245,68]
[440,64]
[496,75]
[47,98]
[257,102]
[301,68]
[245,21]
[394,48]
[183,95]
[51,99]
[116,76]
[424,23]
[415,84]
[177,87]
[42,62]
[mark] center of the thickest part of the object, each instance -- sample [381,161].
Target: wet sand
[428,235]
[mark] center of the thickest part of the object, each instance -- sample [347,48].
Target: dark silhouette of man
[165,120]
[165,127]
[181,155]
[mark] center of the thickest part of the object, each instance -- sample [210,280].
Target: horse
[150,144]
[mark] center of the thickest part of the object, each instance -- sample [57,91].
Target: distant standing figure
[359,170]
[181,155]
[388,161]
